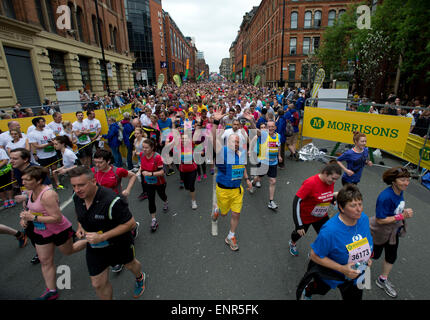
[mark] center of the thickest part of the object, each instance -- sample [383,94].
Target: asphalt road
[183,261]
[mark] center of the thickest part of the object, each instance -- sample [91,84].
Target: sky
[213,23]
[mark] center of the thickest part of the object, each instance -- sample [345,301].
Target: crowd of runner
[177,130]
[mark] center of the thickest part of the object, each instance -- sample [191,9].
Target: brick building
[225,68]
[37,58]
[260,38]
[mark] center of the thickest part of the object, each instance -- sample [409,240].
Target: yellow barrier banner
[118,112]
[382,131]
[414,148]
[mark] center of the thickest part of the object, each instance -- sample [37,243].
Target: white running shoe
[193,204]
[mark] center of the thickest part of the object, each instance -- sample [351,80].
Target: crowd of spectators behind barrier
[236,95]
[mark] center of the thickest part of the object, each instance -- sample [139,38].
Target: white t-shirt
[14,145]
[43,137]
[3,155]
[69,158]
[83,139]
[144,120]
[5,138]
[227,133]
[57,128]
[93,126]
[30,129]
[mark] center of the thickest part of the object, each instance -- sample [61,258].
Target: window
[306,45]
[291,72]
[8,9]
[171,42]
[315,43]
[341,12]
[51,16]
[58,70]
[293,46]
[85,72]
[118,75]
[72,21]
[331,17]
[294,17]
[114,39]
[95,30]
[308,19]
[109,4]
[317,19]
[103,72]
[38,6]
[79,19]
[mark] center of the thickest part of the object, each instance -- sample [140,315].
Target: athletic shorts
[292,140]
[189,179]
[272,172]
[98,260]
[57,239]
[48,161]
[229,199]
[85,151]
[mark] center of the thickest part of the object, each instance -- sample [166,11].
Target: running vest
[269,150]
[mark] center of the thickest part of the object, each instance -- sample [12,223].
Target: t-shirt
[269,148]
[81,126]
[15,145]
[165,128]
[227,122]
[316,198]
[5,138]
[98,219]
[187,159]
[344,244]
[389,204]
[57,128]
[355,162]
[153,164]
[3,154]
[43,137]
[231,171]
[18,176]
[93,126]
[69,158]
[109,179]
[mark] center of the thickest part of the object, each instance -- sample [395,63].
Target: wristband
[399,217]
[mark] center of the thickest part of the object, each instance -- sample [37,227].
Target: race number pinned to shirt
[320,210]
[99,245]
[151,180]
[39,225]
[359,251]
[237,172]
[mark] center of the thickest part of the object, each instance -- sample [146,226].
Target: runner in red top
[311,203]
[152,175]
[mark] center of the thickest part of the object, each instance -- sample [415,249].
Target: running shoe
[232,243]
[212,171]
[272,205]
[170,172]
[252,190]
[49,295]
[117,268]
[143,196]
[135,231]
[387,286]
[215,214]
[205,176]
[293,249]
[6,204]
[154,225]
[22,239]
[139,286]
[166,206]
[60,187]
[12,203]
[193,204]
[296,157]
[199,178]
[258,184]
[304,297]
[35,260]
[181,185]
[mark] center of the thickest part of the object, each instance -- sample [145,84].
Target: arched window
[317,19]
[8,9]
[95,30]
[308,19]
[115,39]
[331,17]
[294,18]
[341,12]
[72,20]
[79,20]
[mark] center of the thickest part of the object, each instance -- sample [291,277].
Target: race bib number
[38,225]
[99,245]
[151,179]
[237,172]
[320,210]
[359,251]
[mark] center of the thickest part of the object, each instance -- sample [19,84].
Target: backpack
[296,121]
[118,178]
[120,135]
[289,130]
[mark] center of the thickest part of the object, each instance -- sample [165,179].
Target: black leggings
[200,168]
[317,227]
[348,289]
[390,251]
[151,189]
[189,179]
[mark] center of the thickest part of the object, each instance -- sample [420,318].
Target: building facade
[225,68]
[40,54]
[302,24]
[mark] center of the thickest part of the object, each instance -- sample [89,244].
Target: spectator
[127,131]
[114,141]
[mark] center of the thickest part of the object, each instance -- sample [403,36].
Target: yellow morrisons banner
[414,149]
[382,131]
[118,112]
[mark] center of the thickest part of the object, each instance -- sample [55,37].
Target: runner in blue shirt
[342,250]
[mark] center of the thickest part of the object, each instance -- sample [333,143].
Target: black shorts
[98,260]
[48,161]
[189,179]
[85,151]
[272,172]
[57,239]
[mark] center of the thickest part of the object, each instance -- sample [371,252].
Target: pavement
[183,261]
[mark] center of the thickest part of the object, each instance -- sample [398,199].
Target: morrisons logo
[425,153]
[318,123]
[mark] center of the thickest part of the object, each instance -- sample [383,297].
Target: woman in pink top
[51,228]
